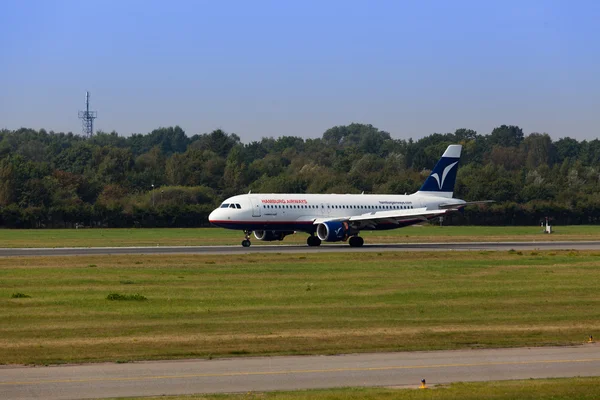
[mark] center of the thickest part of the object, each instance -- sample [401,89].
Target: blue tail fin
[441,180]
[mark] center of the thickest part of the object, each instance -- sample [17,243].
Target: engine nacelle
[269,236]
[333,231]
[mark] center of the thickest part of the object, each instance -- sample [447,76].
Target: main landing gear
[246,241]
[356,241]
[313,241]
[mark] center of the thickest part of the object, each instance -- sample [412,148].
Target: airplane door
[255,207]
[325,209]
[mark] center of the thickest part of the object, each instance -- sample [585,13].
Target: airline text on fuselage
[284,201]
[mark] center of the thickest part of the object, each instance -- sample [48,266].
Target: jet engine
[333,231]
[269,236]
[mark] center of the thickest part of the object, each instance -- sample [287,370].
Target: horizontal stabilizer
[467,203]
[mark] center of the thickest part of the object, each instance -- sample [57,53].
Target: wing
[397,217]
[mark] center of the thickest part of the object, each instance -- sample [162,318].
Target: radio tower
[87,118]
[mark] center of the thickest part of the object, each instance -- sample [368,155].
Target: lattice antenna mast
[87,117]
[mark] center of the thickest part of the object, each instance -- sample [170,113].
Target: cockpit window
[232,205]
[238,206]
[224,205]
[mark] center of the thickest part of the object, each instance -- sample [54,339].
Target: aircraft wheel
[356,241]
[246,243]
[313,241]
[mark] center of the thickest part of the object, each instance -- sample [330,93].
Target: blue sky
[272,68]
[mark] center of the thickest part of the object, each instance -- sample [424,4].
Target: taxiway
[340,248]
[291,373]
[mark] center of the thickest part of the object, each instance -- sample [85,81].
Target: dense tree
[506,136]
[166,178]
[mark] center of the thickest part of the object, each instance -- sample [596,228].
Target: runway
[339,248]
[291,373]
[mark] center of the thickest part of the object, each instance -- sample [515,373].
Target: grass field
[217,236]
[211,306]
[538,389]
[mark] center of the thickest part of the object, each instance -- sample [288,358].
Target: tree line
[169,179]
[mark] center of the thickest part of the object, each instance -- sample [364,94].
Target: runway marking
[307,371]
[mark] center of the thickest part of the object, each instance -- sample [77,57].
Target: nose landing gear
[246,241]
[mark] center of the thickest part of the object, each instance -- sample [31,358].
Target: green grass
[218,236]
[212,306]
[533,389]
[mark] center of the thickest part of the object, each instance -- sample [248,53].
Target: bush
[20,296]
[126,297]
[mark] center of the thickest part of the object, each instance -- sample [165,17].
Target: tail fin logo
[444,174]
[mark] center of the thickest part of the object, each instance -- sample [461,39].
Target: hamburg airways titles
[284,201]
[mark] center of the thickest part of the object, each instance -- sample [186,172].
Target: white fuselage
[297,212]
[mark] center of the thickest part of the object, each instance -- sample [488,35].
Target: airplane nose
[212,216]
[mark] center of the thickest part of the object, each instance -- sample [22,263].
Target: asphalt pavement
[340,248]
[93,381]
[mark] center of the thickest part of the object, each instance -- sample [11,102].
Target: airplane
[341,217]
